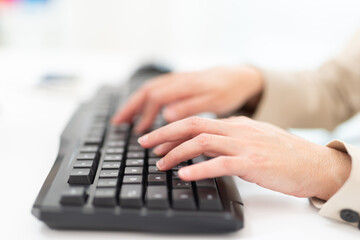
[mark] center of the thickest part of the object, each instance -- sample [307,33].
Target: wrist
[334,170]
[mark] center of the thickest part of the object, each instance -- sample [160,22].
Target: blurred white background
[278,33]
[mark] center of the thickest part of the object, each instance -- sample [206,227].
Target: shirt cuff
[348,196]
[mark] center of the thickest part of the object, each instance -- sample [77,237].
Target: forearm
[320,98]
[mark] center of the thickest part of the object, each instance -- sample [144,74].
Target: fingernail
[170,114]
[143,139]
[184,173]
[160,164]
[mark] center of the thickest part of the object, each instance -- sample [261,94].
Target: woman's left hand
[256,152]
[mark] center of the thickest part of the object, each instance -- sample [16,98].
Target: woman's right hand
[219,90]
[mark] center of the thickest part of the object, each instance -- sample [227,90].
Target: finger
[160,97]
[187,107]
[131,108]
[164,148]
[183,129]
[137,100]
[216,167]
[196,146]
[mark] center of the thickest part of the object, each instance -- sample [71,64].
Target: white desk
[31,120]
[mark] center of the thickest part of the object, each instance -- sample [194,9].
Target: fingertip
[185,174]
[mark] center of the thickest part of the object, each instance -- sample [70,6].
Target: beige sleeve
[322,98]
[348,196]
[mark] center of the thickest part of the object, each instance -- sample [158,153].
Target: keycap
[177,183]
[86,156]
[132,179]
[81,176]
[85,164]
[124,127]
[134,162]
[157,179]
[152,154]
[175,175]
[116,143]
[109,173]
[117,137]
[152,161]
[209,199]
[133,170]
[111,165]
[154,169]
[93,141]
[136,155]
[135,148]
[180,165]
[107,182]
[89,149]
[113,157]
[183,199]
[131,196]
[115,150]
[199,159]
[105,197]
[157,197]
[73,196]
[209,182]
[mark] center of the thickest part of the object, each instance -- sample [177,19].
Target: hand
[217,90]
[256,152]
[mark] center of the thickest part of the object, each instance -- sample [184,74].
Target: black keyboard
[103,179]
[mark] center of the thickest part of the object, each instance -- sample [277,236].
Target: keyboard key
[131,196]
[152,154]
[135,148]
[107,182]
[113,157]
[133,170]
[109,173]
[117,150]
[93,141]
[209,182]
[74,196]
[152,161]
[177,183]
[199,159]
[154,169]
[116,143]
[134,162]
[175,175]
[124,127]
[85,164]
[81,176]
[180,165]
[87,156]
[157,197]
[132,179]
[136,155]
[117,137]
[111,165]
[105,197]
[157,179]
[89,149]
[183,199]
[209,199]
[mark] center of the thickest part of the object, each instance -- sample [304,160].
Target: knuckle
[154,98]
[227,164]
[194,122]
[203,139]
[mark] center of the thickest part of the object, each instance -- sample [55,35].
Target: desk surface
[31,120]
